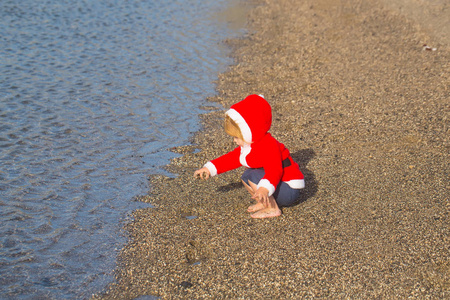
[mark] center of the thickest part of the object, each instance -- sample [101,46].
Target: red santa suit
[253,115]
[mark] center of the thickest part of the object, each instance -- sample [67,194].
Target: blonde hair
[232,128]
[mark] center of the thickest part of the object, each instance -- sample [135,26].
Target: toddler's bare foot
[267,213]
[255,207]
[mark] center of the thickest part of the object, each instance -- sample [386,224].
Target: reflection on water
[91,95]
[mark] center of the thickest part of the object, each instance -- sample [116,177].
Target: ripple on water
[91,96]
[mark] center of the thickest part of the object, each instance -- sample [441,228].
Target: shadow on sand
[302,158]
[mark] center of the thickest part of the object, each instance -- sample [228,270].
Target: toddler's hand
[262,195]
[202,172]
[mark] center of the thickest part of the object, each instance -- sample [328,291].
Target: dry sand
[364,110]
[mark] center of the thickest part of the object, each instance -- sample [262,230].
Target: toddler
[272,178]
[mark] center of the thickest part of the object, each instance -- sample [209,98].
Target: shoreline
[363,110]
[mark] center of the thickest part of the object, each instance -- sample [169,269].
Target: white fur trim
[211,167]
[266,184]
[244,152]
[296,183]
[243,126]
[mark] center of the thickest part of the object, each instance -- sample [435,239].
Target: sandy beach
[363,107]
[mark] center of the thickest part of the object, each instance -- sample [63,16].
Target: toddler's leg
[248,188]
[251,188]
[248,178]
[272,210]
[259,210]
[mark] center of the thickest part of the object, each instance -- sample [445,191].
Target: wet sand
[364,110]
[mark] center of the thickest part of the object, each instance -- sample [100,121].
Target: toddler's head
[232,128]
[249,119]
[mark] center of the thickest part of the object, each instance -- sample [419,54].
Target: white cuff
[296,183]
[211,167]
[266,184]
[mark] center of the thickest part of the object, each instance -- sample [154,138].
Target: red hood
[253,115]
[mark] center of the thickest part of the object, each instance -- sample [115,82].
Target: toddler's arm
[202,172]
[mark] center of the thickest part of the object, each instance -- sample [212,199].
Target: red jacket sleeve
[227,162]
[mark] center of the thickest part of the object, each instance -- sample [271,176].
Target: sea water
[92,94]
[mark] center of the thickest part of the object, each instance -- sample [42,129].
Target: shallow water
[92,93]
